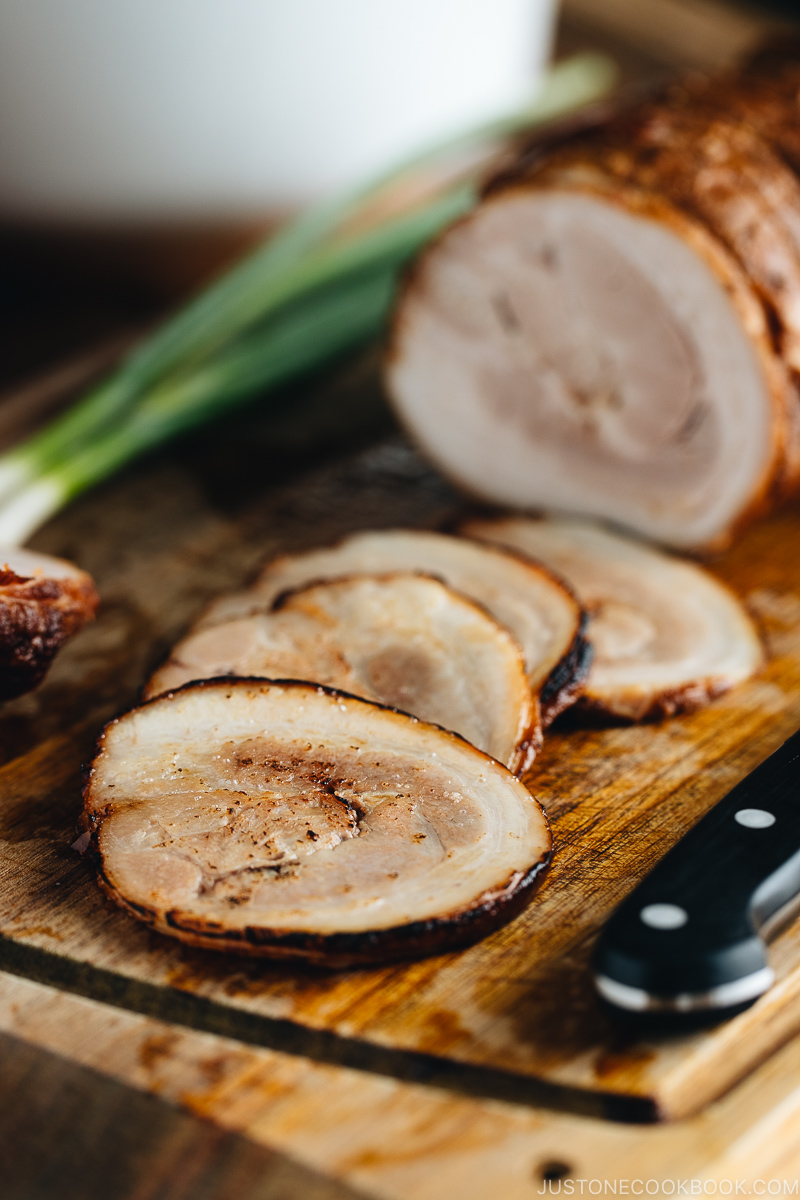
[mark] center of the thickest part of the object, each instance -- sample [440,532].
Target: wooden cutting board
[514,1016]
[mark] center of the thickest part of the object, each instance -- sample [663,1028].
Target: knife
[691,937]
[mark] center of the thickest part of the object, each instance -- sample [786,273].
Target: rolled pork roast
[615,329]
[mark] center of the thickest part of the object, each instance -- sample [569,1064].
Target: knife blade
[691,937]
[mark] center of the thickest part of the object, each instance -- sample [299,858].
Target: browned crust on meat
[531,743]
[685,699]
[694,151]
[566,683]
[771,487]
[712,148]
[567,680]
[765,92]
[417,939]
[37,615]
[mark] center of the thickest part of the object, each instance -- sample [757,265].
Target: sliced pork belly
[538,609]
[281,819]
[43,602]
[404,640]
[667,635]
[584,344]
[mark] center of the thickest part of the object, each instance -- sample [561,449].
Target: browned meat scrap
[43,602]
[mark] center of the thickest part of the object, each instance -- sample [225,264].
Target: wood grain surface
[75,1134]
[381,1137]
[514,1016]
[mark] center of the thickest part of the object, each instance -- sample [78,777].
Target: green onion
[322,285]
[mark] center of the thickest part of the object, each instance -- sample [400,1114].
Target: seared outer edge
[525,750]
[567,680]
[731,274]
[438,935]
[685,699]
[226,681]
[418,939]
[530,744]
[283,598]
[558,673]
[495,548]
[566,684]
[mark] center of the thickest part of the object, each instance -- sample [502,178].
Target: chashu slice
[284,819]
[405,640]
[43,602]
[667,635]
[538,609]
[583,344]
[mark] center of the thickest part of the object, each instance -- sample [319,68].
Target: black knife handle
[687,938]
